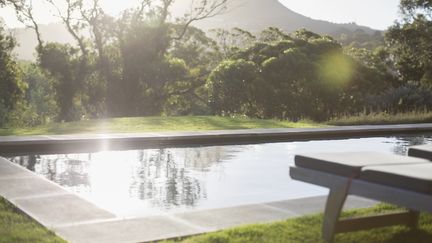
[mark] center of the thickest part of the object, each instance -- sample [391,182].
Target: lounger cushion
[421,151]
[414,177]
[350,163]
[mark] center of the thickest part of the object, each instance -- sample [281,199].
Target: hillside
[27,39]
[252,15]
[256,15]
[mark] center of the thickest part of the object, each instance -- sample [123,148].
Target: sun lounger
[399,180]
[421,151]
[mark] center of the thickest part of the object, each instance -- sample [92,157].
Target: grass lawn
[383,118]
[17,227]
[308,229]
[154,124]
[197,123]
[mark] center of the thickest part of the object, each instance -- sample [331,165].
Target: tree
[273,34]
[410,41]
[62,62]
[12,87]
[414,8]
[145,38]
[200,55]
[40,97]
[70,66]
[303,75]
[231,86]
[232,41]
[379,60]
[125,66]
[361,39]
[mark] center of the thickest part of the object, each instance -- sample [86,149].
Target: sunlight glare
[109,177]
[336,70]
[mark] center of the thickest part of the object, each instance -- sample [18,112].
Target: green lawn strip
[202,123]
[308,229]
[383,118]
[154,124]
[18,227]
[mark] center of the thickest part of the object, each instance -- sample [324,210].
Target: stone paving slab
[18,182]
[14,188]
[313,205]
[64,209]
[43,200]
[11,170]
[223,218]
[161,227]
[128,230]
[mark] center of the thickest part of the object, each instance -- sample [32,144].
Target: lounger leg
[333,208]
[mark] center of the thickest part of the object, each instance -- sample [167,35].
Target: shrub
[405,98]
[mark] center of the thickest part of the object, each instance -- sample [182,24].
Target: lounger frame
[340,187]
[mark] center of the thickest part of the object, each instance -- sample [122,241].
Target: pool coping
[77,220]
[97,142]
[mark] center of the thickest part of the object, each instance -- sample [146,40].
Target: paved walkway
[77,220]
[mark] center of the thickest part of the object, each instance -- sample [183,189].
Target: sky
[378,14]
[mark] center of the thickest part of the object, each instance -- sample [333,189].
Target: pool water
[154,181]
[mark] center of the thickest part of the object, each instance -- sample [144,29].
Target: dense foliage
[145,63]
[303,75]
[410,41]
[12,87]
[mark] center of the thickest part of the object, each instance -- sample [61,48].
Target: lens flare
[335,70]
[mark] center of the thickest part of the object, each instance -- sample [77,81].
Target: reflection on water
[401,144]
[143,182]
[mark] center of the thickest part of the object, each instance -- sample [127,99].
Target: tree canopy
[11,86]
[291,77]
[411,41]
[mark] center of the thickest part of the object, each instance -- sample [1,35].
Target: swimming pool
[136,183]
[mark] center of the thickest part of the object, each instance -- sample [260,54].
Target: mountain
[251,15]
[27,41]
[256,15]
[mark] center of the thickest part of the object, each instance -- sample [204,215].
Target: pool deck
[77,220]
[95,142]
